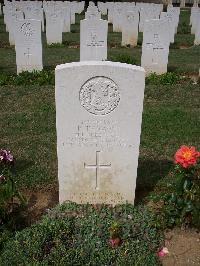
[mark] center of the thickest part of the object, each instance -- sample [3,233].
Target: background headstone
[28,45]
[93,39]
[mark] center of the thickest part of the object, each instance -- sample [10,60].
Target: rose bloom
[186,156]
[162,252]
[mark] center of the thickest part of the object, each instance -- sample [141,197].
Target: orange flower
[186,156]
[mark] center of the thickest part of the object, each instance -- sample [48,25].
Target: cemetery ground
[171,117]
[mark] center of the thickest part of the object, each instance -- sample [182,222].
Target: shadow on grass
[21,165]
[172,69]
[149,173]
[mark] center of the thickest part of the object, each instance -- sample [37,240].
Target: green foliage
[11,200]
[55,45]
[28,78]
[182,205]
[184,28]
[124,58]
[79,235]
[168,78]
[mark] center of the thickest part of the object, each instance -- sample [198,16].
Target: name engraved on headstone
[99,134]
[94,41]
[99,95]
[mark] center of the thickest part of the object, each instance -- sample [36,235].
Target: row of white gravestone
[127,22]
[125,18]
[94,46]
[59,17]
[155,49]
[157,36]
[195,23]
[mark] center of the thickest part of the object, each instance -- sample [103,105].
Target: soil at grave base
[194,77]
[39,200]
[184,47]
[183,245]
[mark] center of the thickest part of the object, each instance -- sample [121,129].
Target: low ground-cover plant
[124,58]
[11,201]
[181,203]
[87,235]
[184,28]
[168,78]
[55,45]
[26,78]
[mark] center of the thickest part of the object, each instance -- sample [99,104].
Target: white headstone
[171,24]
[195,3]
[28,45]
[93,39]
[110,7]
[92,12]
[130,28]
[193,11]
[7,11]
[195,22]
[117,17]
[98,119]
[66,19]
[102,8]
[197,32]
[54,27]
[34,13]
[175,12]
[11,22]
[182,3]
[155,46]
[73,6]
[148,12]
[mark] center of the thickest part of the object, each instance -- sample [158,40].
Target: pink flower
[162,252]
[115,241]
[6,156]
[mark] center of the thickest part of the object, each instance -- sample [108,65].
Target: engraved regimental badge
[99,95]
[27,29]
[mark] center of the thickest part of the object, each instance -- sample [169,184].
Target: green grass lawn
[171,117]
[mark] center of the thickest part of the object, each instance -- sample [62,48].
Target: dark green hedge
[79,235]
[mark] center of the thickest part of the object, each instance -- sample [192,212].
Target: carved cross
[97,168]
[28,54]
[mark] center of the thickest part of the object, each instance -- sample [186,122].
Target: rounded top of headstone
[99,63]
